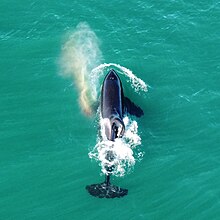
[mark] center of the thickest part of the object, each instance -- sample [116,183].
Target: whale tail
[106,190]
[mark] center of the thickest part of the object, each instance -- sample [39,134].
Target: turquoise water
[45,138]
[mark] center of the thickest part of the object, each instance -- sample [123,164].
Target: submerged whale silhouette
[114,105]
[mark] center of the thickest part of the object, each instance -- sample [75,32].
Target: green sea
[45,137]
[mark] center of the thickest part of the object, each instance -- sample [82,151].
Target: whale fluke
[104,190]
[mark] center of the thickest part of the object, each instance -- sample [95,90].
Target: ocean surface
[45,137]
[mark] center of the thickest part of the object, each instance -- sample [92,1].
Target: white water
[122,149]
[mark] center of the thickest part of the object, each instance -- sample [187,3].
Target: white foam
[122,149]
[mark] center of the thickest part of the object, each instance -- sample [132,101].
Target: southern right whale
[114,106]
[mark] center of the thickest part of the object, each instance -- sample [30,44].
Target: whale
[114,107]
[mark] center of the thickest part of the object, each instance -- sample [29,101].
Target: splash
[122,150]
[80,54]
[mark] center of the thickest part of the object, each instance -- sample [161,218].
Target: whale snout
[112,75]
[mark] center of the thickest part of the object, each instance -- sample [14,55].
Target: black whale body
[114,105]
